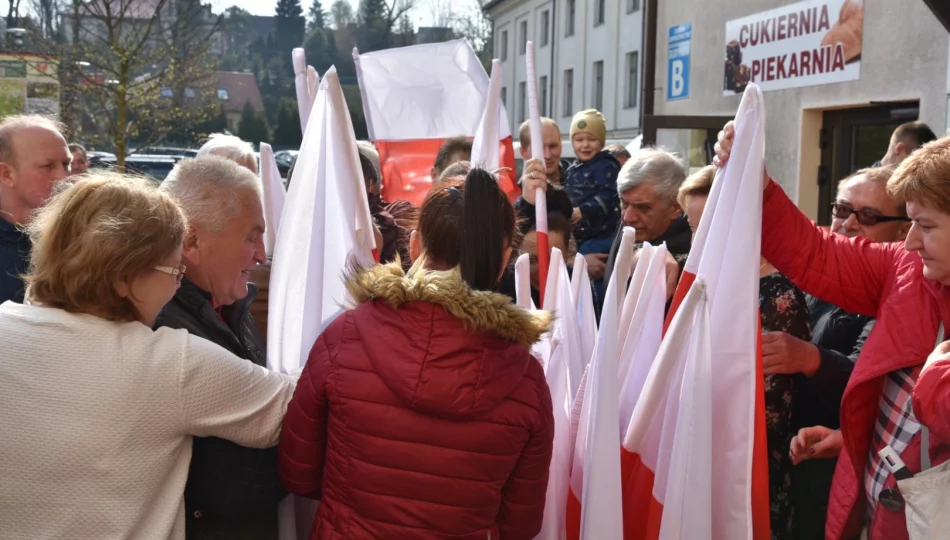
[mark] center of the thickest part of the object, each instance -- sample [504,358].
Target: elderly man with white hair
[232,148]
[648,185]
[232,492]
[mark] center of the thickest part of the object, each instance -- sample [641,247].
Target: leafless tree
[137,70]
[341,13]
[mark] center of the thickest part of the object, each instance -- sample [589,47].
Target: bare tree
[341,12]
[136,70]
[46,13]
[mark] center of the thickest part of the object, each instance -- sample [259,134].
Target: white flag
[275,196]
[485,150]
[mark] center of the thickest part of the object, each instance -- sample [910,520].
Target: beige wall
[905,56]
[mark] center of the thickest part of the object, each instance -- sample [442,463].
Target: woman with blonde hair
[99,410]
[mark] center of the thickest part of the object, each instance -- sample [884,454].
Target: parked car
[285,159]
[153,166]
[168,151]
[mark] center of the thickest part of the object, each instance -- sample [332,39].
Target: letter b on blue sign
[677,83]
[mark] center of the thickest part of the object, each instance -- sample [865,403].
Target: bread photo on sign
[848,30]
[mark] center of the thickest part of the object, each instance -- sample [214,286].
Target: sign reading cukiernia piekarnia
[803,44]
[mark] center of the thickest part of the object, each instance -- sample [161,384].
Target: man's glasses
[179,272]
[863,217]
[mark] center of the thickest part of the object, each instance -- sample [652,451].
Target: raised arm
[303,442]
[850,273]
[224,396]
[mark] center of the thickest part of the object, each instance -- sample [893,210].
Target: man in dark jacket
[648,187]
[823,366]
[33,159]
[232,491]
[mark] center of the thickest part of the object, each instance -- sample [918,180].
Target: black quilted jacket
[226,482]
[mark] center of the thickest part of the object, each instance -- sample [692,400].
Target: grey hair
[368,150]
[229,147]
[653,165]
[211,189]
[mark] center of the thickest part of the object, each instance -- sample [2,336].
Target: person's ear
[122,288]
[415,245]
[190,250]
[901,150]
[524,152]
[434,175]
[6,176]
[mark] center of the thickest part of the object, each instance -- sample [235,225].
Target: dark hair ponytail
[486,228]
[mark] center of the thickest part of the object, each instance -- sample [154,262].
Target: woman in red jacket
[906,287]
[421,412]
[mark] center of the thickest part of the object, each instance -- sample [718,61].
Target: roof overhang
[941,9]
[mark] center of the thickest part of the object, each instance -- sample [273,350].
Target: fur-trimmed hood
[439,346]
[478,310]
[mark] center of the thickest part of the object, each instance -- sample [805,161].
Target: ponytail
[486,228]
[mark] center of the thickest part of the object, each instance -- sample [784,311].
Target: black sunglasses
[864,217]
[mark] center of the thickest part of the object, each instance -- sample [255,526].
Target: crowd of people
[138,405]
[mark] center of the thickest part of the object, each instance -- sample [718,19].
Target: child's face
[586,146]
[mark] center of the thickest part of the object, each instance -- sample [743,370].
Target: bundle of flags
[657,435]
[667,434]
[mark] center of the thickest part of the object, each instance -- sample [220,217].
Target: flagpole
[304,97]
[537,152]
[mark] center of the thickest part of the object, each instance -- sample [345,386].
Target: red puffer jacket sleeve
[303,438]
[849,273]
[522,503]
[932,400]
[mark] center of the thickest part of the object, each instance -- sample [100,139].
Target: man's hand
[816,442]
[533,177]
[596,265]
[785,354]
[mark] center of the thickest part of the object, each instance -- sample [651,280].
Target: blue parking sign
[677,78]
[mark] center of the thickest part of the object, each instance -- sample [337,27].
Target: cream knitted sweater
[97,417]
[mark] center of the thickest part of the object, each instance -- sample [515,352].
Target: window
[599,85]
[190,93]
[569,21]
[633,66]
[223,94]
[504,96]
[167,92]
[568,92]
[599,12]
[523,43]
[545,27]
[633,6]
[543,95]
[523,100]
[504,45]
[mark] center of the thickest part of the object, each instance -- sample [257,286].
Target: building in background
[29,84]
[838,76]
[587,55]
[233,90]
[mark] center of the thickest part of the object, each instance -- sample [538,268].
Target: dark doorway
[852,139]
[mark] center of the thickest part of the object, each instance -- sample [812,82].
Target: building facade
[587,55]
[837,77]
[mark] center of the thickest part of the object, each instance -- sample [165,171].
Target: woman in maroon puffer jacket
[421,412]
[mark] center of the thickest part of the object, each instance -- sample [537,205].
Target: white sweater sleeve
[225,396]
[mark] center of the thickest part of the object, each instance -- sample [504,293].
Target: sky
[421,15]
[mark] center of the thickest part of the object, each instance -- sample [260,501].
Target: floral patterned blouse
[782,308]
